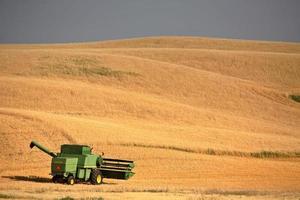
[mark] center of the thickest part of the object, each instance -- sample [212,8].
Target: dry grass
[194,113]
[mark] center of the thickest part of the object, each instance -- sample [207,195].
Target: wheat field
[202,118]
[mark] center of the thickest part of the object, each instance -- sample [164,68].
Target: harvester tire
[96,177]
[55,179]
[71,180]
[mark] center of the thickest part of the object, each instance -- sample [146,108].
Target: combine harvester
[76,163]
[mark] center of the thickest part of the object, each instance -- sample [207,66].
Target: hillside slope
[169,103]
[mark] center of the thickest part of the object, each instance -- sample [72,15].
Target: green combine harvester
[76,163]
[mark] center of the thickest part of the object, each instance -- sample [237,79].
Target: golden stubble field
[202,118]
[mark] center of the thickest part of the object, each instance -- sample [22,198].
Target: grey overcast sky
[48,21]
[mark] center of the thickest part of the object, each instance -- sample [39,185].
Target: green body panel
[84,161]
[81,173]
[87,174]
[78,161]
[88,161]
[64,165]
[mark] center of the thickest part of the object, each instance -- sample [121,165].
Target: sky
[56,21]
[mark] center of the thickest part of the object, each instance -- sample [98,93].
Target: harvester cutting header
[77,163]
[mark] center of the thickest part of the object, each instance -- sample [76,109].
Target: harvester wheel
[96,177]
[55,179]
[71,180]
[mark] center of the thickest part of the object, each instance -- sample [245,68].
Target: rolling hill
[196,114]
